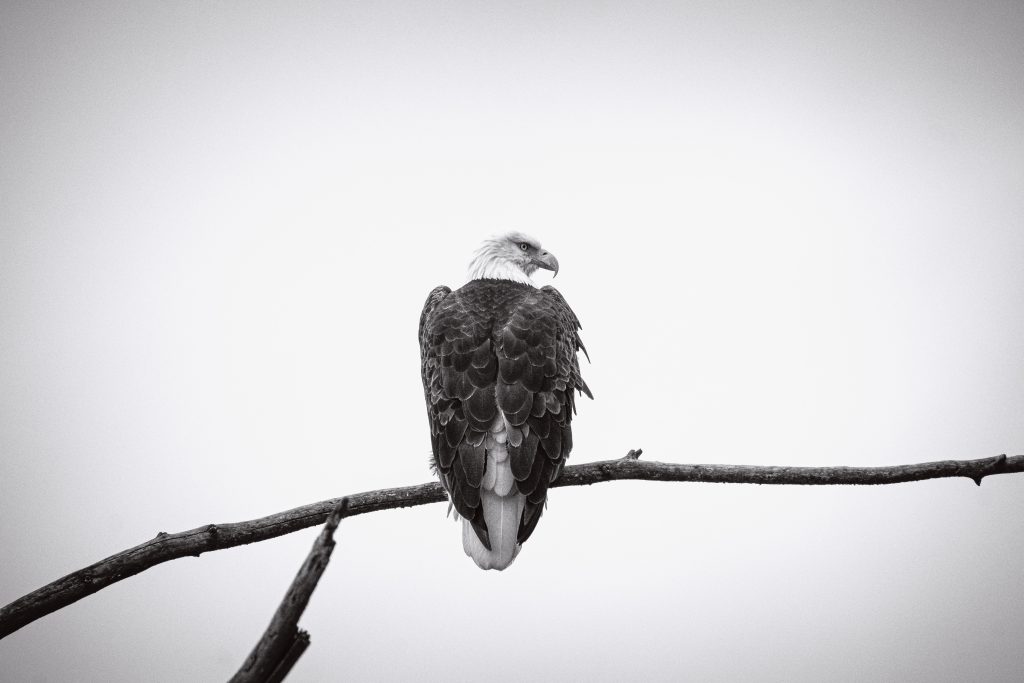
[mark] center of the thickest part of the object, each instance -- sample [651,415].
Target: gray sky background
[794,234]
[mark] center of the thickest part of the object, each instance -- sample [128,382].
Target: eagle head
[512,256]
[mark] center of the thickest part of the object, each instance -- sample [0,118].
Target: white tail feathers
[502,515]
[502,506]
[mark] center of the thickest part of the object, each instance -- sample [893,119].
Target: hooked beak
[547,261]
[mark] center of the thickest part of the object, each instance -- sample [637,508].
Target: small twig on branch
[165,547]
[283,643]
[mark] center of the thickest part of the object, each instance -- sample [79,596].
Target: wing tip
[584,389]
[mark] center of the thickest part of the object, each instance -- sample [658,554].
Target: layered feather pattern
[500,371]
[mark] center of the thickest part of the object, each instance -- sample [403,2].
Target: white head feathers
[512,256]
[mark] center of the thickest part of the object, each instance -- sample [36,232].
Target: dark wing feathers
[481,409]
[553,443]
[522,457]
[471,457]
[571,323]
[498,345]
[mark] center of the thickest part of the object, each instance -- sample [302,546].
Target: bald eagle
[500,372]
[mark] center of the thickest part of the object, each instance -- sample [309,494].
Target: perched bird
[500,372]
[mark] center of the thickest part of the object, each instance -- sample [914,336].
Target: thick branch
[282,643]
[165,547]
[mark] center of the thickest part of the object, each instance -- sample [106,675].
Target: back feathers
[500,372]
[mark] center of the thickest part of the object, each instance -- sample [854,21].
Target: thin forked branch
[165,547]
[283,643]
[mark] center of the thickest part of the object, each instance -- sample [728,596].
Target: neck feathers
[486,264]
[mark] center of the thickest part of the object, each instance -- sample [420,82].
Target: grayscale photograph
[512,341]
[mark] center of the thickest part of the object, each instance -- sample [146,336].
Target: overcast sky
[794,234]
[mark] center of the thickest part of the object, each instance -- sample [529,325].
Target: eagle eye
[524,246]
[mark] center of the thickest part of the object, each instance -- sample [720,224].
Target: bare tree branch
[165,547]
[283,643]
